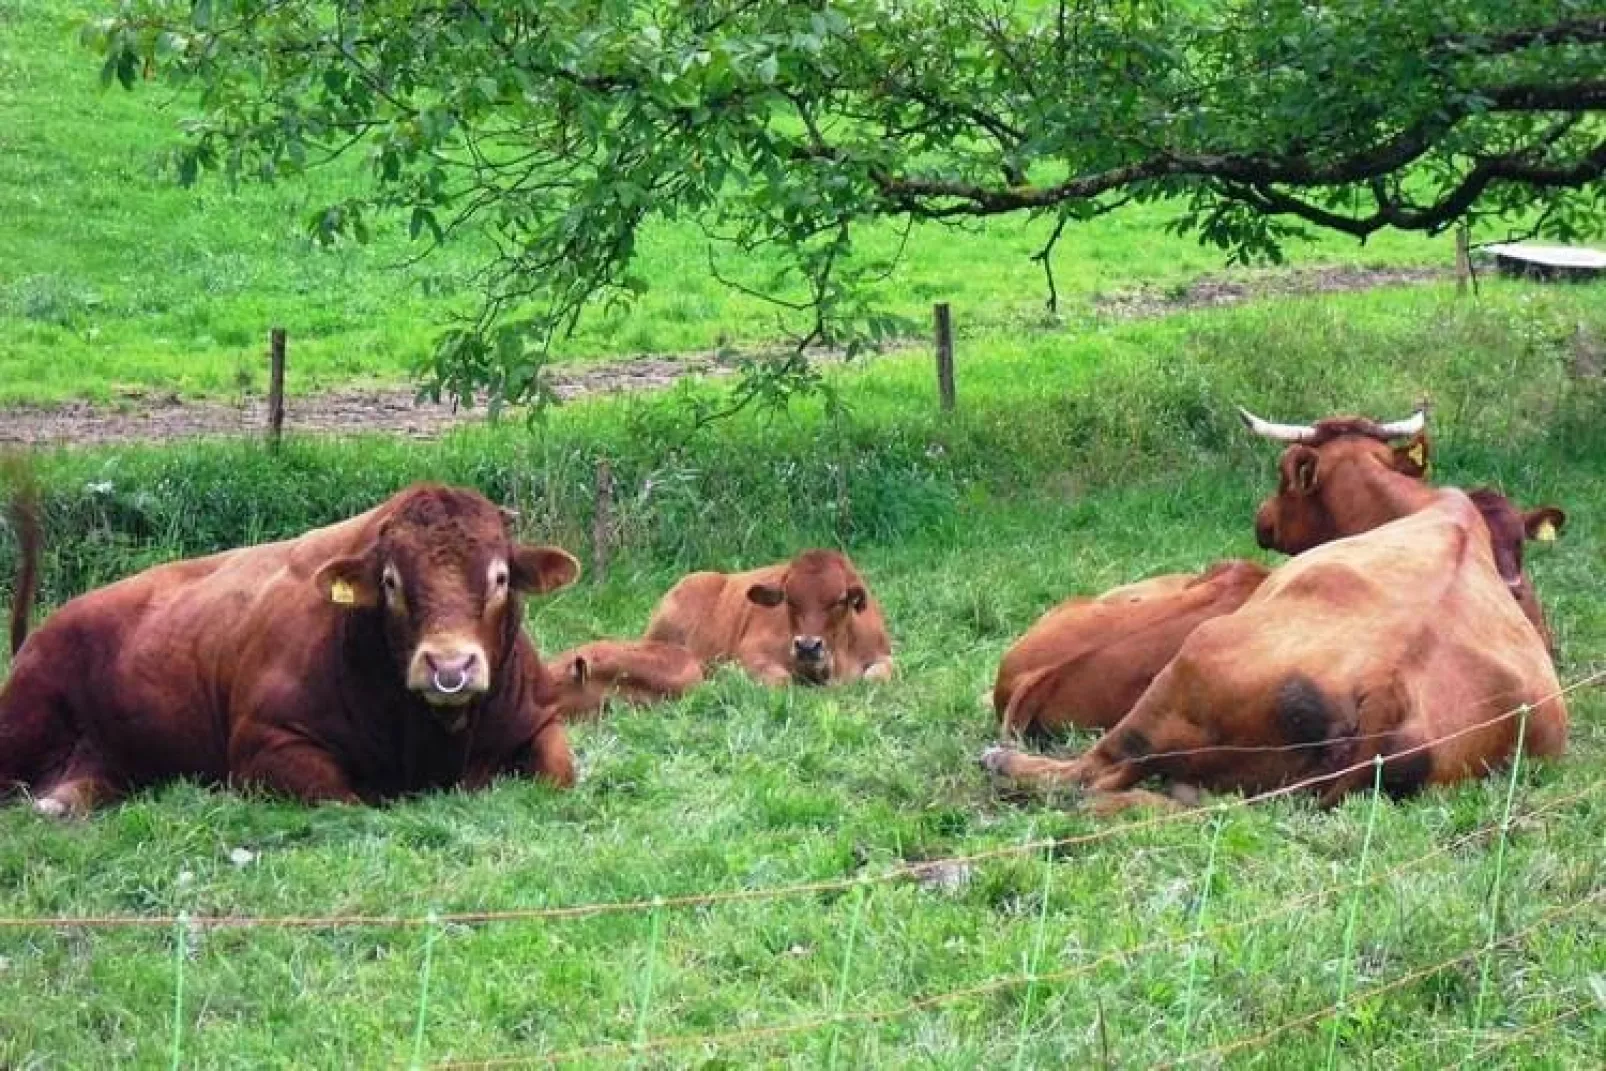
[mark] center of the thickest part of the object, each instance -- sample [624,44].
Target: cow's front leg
[767,669]
[879,670]
[290,766]
[551,758]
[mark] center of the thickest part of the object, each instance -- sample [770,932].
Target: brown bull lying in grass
[811,620]
[1382,643]
[373,658]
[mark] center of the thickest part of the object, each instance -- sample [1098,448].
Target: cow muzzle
[811,660]
[449,675]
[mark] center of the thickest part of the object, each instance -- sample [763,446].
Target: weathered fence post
[275,386]
[1463,260]
[602,521]
[945,354]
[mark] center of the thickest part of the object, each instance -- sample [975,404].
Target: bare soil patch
[395,410]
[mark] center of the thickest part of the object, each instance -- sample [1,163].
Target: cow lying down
[811,620]
[376,657]
[636,672]
[1085,662]
[1403,641]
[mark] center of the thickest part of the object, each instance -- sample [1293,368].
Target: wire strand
[1010,981]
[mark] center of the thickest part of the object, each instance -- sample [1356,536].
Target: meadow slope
[1075,462]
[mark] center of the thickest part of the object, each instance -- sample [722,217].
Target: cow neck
[1362,495]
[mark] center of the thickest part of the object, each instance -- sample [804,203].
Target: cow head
[1509,528]
[822,592]
[1329,478]
[444,577]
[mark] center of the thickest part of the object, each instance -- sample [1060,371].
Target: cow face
[821,592]
[444,576]
[1317,498]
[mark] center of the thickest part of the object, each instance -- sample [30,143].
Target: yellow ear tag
[341,592]
[1546,532]
[1418,456]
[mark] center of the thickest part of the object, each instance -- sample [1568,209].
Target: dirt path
[393,409]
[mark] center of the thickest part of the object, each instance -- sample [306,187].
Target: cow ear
[538,570]
[1302,462]
[349,582]
[1544,524]
[858,598]
[1412,458]
[580,672]
[766,594]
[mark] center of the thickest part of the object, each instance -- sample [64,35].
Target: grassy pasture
[117,283]
[1076,462]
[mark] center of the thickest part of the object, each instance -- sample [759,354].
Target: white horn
[1404,429]
[1283,433]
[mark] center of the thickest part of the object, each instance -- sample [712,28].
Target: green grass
[116,282]
[1075,463]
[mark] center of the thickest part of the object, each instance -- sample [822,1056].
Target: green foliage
[119,282]
[561,128]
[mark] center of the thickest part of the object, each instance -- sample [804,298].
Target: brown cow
[1382,643]
[1329,487]
[811,620]
[636,672]
[1086,662]
[376,657]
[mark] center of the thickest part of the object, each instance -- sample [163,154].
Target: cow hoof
[51,807]
[996,760]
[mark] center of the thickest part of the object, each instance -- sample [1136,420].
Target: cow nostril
[450,675]
[809,646]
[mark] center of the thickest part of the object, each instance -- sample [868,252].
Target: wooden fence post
[1463,260]
[945,354]
[602,522]
[275,386]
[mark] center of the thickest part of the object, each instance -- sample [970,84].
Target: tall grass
[1117,405]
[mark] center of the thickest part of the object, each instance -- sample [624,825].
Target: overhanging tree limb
[562,128]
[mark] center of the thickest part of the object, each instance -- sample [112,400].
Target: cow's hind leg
[1038,769]
[82,786]
[36,735]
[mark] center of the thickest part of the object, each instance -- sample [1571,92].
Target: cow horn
[1283,433]
[1404,429]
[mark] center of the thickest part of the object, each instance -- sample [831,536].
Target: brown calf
[811,620]
[376,657]
[637,672]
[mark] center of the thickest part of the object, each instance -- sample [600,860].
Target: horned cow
[1391,633]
